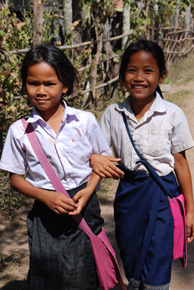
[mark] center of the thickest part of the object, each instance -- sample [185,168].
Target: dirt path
[13,239]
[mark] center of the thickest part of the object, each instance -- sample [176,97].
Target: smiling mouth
[137,87]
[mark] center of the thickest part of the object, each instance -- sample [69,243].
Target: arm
[81,198]
[184,178]
[100,161]
[56,201]
[104,166]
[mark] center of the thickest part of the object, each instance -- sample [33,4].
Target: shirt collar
[158,106]
[69,114]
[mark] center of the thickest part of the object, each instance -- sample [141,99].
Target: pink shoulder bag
[105,258]
[177,207]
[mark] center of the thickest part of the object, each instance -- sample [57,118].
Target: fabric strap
[152,172]
[58,186]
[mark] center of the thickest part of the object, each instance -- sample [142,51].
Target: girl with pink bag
[61,256]
[159,130]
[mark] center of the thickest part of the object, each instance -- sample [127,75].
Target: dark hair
[143,45]
[54,57]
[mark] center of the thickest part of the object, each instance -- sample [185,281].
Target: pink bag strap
[56,182]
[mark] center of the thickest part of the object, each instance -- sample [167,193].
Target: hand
[81,198]
[190,226]
[58,202]
[104,166]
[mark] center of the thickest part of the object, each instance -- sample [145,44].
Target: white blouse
[161,132]
[68,152]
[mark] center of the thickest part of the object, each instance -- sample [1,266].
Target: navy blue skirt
[144,227]
[61,256]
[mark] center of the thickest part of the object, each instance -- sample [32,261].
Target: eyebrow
[146,66]
[35,78]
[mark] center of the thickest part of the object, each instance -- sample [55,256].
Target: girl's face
[142,76]
[43,87]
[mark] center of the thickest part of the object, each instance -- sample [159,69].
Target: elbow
[14,180]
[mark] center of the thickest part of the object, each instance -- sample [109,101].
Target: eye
[131,70]
[50,84]
[148,70]
[32,83]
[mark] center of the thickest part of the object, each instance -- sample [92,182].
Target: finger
[65,207]
[113,159]
[60,211]
[75,212]
[69,202]
[76,197]
[190,233]
[116,168]
[114,172]
[118,173]
[102,175]
[189,240]
[107,173]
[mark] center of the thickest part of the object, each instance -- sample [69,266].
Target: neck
[54,118]
[140,107]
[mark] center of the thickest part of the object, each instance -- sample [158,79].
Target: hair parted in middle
[55,58]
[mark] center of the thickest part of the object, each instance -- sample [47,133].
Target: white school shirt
[68,152]
[161,132]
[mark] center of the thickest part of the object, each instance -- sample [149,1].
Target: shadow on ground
[16,285]
[184,278]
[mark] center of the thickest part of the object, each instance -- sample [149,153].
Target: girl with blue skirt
[159,130]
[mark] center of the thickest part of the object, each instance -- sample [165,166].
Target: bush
[10,200]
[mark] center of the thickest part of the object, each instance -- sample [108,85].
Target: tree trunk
[94,68]
[187,19]
[86,21]
[68,15]
[126,22]
[4,4]
[37,21]
[148,2]
[176,16]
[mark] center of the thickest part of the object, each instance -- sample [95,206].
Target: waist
[139,176]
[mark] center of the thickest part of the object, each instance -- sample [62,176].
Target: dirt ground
[13,238]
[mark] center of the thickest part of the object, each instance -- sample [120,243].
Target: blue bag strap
[152,172]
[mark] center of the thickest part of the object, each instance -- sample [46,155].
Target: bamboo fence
[176,44]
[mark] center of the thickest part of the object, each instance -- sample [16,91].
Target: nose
[138,76]
[41,90]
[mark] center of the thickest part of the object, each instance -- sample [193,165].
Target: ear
[162,77]
[65,89]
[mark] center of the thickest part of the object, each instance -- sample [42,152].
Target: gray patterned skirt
[60,253]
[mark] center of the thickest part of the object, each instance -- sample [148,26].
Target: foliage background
[16,33]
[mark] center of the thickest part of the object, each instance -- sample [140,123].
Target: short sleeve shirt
[69,151]
[160,133]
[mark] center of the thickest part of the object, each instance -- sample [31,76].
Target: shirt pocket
[154,143]
[79,150]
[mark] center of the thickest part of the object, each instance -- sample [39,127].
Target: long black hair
[143,45]
[54,57]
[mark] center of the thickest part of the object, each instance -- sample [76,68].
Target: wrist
[190,209]
[43,195]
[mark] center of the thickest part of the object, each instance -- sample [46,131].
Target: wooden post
[68,15]
[94,68]
[126,22]
[37,21]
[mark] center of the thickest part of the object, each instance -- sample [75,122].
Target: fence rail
[176,44]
